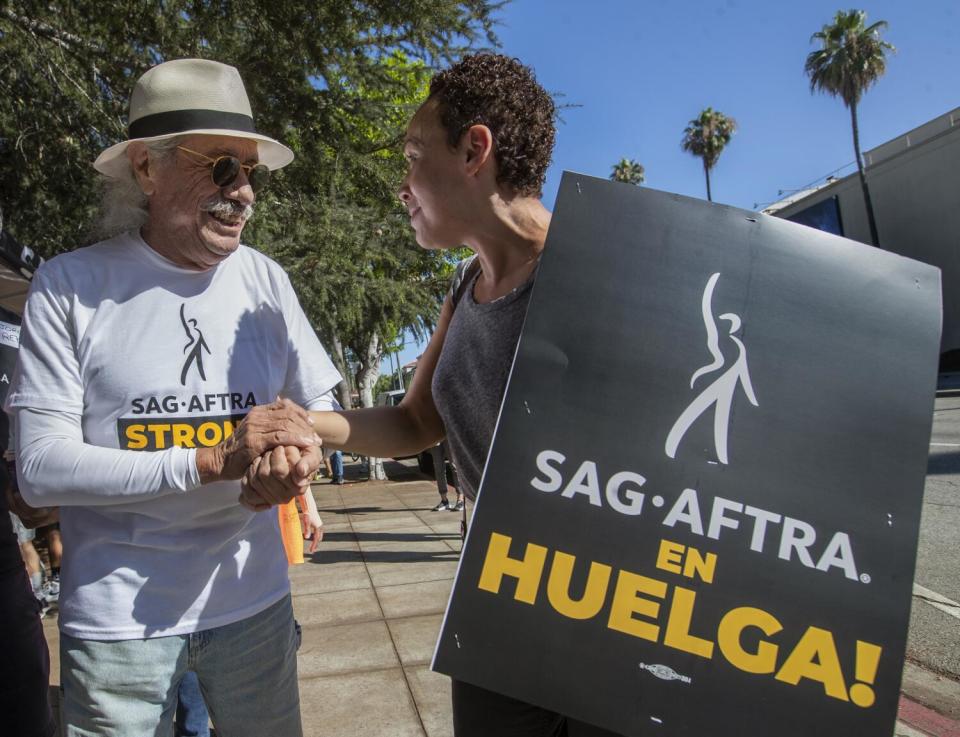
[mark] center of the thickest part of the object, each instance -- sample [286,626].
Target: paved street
[372,598]
[935,631]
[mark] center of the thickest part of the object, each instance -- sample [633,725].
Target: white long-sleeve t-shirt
[128,364]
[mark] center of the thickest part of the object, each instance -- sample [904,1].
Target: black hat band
[181,121]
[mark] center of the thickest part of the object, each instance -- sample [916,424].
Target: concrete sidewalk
[371,601]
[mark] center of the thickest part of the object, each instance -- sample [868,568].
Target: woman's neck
[508,246]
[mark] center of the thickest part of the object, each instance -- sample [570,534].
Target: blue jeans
[247,673]
[336,464]
[192,716]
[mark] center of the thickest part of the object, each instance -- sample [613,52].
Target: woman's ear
[144,169]
[478,145]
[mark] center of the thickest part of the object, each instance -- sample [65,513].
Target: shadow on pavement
[383,556]
[357,510]
[389,536]
[943,463]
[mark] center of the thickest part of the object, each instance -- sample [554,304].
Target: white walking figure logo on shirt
[721,391]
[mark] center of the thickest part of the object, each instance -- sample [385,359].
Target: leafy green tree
[628,171]
[386,383]
[334,80]
[706,136]
[851,58]
[67,68]
[346,241]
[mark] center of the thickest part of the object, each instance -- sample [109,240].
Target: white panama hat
[185,97]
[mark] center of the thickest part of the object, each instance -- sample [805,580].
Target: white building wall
[915,187]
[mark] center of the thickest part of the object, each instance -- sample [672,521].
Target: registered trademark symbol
[864,578]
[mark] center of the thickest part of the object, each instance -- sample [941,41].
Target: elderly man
[172,338]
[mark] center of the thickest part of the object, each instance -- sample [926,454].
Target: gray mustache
[225,208]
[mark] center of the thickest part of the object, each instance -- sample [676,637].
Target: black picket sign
[700,511]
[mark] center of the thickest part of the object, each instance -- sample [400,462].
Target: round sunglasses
[224,170]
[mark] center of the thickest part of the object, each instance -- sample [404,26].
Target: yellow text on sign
[690,562]
[648,609]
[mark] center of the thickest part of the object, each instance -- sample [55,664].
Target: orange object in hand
[291,531]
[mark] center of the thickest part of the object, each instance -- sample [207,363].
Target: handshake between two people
[274,451]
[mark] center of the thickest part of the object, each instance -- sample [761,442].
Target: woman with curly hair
[477,151]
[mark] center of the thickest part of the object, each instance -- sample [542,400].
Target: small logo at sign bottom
[665,673]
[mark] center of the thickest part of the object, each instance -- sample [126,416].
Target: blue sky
[639,71]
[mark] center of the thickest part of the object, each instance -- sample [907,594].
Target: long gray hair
[123,205]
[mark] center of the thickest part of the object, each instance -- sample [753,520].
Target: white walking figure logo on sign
[721,391]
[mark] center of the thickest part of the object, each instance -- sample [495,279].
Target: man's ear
[144,170]
[478,146]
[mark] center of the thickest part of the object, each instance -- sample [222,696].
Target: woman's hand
[312,527]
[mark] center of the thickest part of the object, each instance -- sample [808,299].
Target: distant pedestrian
[334,461]
[50,534]
[192,718]
[445,475]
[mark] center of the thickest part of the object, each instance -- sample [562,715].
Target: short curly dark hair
[504,95]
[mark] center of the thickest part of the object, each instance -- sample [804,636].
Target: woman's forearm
[381,432]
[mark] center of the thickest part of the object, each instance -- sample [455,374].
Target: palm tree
[706,137]
[628,171]
[851,59]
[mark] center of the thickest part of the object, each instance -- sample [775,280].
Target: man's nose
[240,189]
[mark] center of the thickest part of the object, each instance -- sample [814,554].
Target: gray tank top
[471,375]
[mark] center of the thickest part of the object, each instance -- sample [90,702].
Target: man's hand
[267,426]
[278,476]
